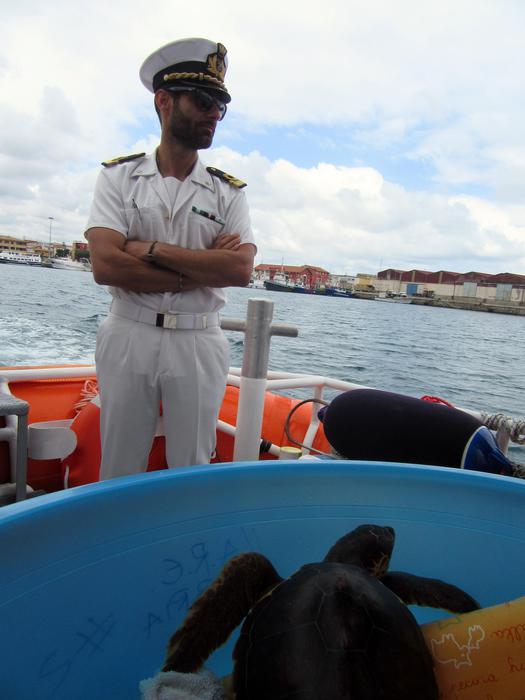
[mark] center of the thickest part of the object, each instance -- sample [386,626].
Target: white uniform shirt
[132,198]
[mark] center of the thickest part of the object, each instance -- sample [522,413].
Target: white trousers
[138,366]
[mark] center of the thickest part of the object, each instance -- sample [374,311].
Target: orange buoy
[61,398]
[276,410]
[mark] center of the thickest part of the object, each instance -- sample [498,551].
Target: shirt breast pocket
[203,230]
[146,224]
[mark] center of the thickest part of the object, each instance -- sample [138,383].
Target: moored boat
[278,285]
[338,292]
[70,264]
[301,289]
[16,258]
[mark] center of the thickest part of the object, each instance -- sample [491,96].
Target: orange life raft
[55,399]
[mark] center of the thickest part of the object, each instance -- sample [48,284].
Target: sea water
[472,359]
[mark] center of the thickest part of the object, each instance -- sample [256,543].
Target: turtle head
[368,546]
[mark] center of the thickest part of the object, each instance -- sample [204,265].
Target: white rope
[513,427]
[87,393]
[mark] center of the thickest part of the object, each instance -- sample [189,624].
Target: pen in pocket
[136,206]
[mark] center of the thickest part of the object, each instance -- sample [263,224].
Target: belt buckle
[170,321]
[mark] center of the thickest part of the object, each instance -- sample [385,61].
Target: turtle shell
[332,631]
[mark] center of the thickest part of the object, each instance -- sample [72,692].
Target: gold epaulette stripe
[230,179]
[122,159]
[192,76]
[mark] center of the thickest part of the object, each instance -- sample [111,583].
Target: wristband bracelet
[149,255]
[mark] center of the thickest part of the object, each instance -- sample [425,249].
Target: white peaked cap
[188,63]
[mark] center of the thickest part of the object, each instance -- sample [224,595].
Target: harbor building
[308,276]
[24,246]
[18,245]
[503,287]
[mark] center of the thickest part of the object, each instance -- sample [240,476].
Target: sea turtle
[335,630]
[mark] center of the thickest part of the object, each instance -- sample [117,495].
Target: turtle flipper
[217,612]
[431,592]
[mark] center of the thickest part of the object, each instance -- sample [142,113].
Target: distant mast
[51,219]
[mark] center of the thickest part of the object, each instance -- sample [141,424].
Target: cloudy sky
[372,133]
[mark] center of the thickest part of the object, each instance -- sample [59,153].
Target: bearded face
[189,126]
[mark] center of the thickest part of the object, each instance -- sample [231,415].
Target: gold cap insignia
[215,63]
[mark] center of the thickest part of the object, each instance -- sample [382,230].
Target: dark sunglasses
[203,100]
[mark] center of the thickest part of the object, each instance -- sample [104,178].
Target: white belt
[178,321]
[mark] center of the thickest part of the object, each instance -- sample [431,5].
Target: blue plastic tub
[94,581]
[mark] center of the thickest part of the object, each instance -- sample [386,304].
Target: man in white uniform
[167,234]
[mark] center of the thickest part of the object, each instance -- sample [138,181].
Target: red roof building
[308,275]
[447,277]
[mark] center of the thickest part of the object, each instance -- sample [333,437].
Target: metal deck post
[258,331]
[12,406]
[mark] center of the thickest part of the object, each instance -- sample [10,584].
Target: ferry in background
[11,256]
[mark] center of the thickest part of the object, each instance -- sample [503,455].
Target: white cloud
[440,82]
[351,219]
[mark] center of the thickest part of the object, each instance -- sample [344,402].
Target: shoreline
[512,309]
[487,307]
